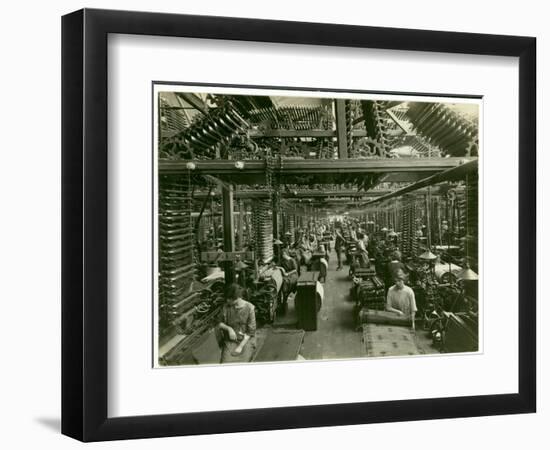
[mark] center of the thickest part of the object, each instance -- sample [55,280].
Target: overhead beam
[453,174]
[403,177]
[256,134]
[292,133]
[312,166]
[301,193]
[301,133]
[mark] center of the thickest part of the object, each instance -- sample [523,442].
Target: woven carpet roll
[383,317]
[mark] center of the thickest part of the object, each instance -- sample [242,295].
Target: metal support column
[240,224]
[228,231]
[275,205]
[341,128]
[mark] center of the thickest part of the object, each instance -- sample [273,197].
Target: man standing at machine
[401,299]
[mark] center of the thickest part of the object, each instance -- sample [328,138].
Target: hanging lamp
[428,256]
[467,274]
[240,265]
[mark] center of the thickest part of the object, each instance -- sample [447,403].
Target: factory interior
[312,210]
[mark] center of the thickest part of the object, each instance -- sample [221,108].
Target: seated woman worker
[236,329]
[401,298]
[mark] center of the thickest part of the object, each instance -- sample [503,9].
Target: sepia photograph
[296,225]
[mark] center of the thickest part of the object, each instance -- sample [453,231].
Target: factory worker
[395,265]
[290,271]
[236,328]
[323,265]
[353,234]
[362,247]
[339,246]
[401,298]
[289,264]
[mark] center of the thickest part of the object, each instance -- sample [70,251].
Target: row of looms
[246,179]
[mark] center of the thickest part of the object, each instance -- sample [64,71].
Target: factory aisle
[336,336]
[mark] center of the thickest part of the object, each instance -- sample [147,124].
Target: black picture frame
[84,224]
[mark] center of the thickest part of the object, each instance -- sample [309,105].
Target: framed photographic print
[254,209]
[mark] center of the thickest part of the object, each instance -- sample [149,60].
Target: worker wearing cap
[401,298]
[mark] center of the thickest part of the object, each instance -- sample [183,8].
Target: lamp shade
[428,256]
[467,274]
[241,265]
